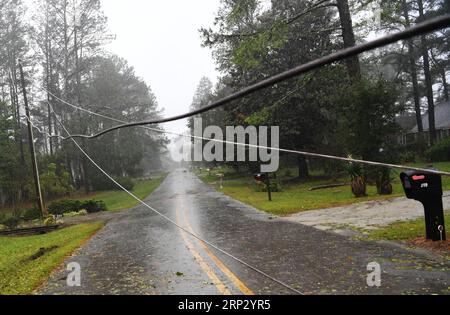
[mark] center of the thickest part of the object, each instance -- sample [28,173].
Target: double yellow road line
[221,287]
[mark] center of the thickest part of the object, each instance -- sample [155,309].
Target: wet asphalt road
[139,252]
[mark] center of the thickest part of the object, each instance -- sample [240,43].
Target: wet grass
[296,196]
[26,262]
[116,200]
[405,231]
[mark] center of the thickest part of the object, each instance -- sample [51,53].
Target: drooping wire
[418,29]
[169,219]
[45,133]
[303,153]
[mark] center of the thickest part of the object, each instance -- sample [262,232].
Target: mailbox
[261,177]
[427,189]
[264,178]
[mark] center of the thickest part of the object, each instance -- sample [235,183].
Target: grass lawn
[404,231]
[297,197]
[115,200]
[20,274]
[118,200]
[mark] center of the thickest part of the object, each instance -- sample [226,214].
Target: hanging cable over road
[308,154]
[255,269]
[419,29]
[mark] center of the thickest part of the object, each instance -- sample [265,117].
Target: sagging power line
[255,269]
[419,29]
[247,145]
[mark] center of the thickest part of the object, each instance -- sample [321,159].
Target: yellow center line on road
[202,263]
[237,282]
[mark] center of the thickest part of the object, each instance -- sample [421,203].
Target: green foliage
[49,221]
[13,173]
[440,152]
[102,183]
[54,184]
[64,206]
[262,187]
[384,181]
[368,111]
[31,214]
[10,220]
[93,206]
[358,184]
[354,170]
[250,53]
[259,118]
[67,206]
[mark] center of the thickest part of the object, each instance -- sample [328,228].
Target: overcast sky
[160,39]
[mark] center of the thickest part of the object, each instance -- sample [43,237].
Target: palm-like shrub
[358,184]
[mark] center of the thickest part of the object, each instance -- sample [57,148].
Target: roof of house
[406,122]
[442,114]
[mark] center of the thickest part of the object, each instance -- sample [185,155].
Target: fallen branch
[328,186]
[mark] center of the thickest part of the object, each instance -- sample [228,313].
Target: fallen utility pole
[34,166]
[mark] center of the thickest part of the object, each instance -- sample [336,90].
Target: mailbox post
[264,177]
[427,188]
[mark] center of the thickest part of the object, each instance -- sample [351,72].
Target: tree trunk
[348,36]
[48,75]
[412,61]
[303,171]
[445,84]
[428,79]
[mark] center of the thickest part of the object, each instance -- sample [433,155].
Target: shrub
[93,206]
[31,214]
[68,206]
[288,173]
[49,221]
[262,187]
[11,221]
[358,184]
[64,206]
[440,152]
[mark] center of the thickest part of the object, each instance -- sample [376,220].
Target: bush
[262,187]
[68,206]
[49,221]
[93,206]
[64,206]
[440,152]
[288,173]
[11,221]
[31,214]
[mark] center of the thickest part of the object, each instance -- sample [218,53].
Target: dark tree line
[347,108]
[61,49]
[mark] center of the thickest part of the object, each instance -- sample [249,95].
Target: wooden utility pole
[40,201]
